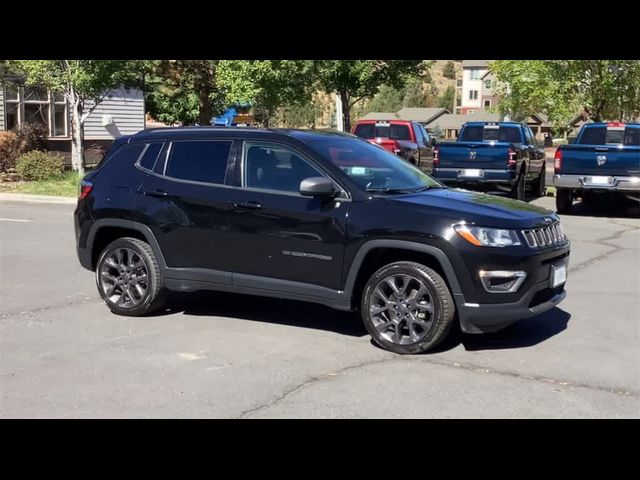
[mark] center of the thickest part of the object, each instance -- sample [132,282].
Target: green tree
[184,91]
[447,98]
[414,93]
[84,84]
[354,80]
[388,99]
[604,89]
[449,70]
[267,84]
[298,115]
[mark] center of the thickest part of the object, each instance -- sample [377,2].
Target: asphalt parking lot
[63,354]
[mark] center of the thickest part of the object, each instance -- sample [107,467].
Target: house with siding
[122,112]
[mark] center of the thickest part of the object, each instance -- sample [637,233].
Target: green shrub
[38,165]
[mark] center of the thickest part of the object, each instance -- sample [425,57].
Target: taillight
[436,157]
[512,158]
[557,161]
[85,188]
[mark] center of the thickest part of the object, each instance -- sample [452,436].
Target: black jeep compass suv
[318,216]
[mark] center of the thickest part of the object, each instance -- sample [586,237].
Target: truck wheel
[541,184]
[407,308]
[518,189]
[564,200]
[129,278]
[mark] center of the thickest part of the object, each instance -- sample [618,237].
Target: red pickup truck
[407,139]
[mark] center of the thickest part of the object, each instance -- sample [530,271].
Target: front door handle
[156,193]
[250,205]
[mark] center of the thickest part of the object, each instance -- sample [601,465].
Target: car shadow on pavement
[524,333]
[605,210]
[265,309]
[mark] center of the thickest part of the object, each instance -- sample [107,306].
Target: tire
[137,257]
[564,200]
[541,183]
[415,334]
[518,190]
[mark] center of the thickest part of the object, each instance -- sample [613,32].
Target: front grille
[546,236]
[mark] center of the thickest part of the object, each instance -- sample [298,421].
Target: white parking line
[13,220]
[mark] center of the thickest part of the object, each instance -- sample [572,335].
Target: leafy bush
[38,165]
[9,150]
[33,136]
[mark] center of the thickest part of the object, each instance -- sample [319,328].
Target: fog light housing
[502,281]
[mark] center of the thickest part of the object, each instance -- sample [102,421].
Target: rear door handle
[250,205]
[157,193]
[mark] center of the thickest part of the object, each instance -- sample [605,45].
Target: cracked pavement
[214,355]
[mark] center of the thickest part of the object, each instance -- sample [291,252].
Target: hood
[478,208]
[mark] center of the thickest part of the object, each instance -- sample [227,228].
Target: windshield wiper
[402,190]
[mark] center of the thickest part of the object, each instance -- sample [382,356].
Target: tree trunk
[346,111]
[205,112]
[77,138]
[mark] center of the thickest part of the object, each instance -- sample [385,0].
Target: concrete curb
[27,198]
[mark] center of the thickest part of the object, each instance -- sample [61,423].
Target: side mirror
[318,187]
[434,142]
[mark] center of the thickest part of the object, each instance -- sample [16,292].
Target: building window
[459,83]
[473,94]
[487,84]
[36,105]
[474,74]
[486,104]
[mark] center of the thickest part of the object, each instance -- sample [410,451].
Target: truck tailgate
[474,155]
[600,160]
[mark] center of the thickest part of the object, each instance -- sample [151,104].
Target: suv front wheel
[129,278]
[407,308]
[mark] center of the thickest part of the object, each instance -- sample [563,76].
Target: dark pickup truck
[603,162]
[503,155]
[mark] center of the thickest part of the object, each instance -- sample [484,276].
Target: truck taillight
[436,157]
[512,158]
[85,188]
[557,161]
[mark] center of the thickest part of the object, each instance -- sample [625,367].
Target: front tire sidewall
[435,334]
[143,306]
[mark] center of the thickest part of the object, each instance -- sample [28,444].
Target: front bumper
[583,182]
[491,317]
[457,175]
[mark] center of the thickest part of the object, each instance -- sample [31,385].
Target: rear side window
[200,161]
[471,134]
[123,158]
[150,156]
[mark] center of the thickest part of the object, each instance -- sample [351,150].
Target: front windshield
[370,166]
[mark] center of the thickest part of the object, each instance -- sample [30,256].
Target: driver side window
[275,167]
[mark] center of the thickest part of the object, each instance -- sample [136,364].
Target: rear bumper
[457,176]
[581,182]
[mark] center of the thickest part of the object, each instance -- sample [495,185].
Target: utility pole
[339,118]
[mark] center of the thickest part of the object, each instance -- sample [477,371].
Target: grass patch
[67,186]
[551,191]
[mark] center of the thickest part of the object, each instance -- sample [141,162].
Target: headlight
[487,237]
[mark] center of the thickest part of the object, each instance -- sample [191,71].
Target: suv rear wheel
[407,308]
[129,278]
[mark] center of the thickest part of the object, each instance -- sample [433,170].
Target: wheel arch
[376,253]
[104,231]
